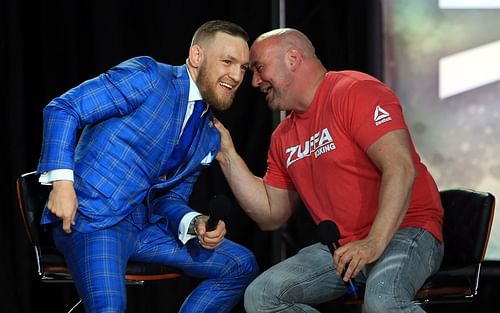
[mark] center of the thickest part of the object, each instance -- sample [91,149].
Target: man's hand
[226,145]
[355,255]
[63,203]
[211,239]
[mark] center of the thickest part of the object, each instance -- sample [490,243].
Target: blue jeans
[97,262]
[308,278]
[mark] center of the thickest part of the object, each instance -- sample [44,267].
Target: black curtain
[50,46]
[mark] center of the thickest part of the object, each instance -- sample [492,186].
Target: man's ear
[195,56]
[293,59]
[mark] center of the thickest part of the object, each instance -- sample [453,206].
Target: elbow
[407,177]
[411,173]
[270,225]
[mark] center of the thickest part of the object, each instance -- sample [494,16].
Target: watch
[192,226]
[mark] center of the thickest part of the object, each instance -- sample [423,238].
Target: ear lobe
[195,55]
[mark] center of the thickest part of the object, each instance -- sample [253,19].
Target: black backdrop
[48,47]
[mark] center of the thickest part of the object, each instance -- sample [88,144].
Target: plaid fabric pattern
[130,205]
[97,261]
[130,119]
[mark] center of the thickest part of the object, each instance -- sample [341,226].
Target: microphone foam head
[328,232]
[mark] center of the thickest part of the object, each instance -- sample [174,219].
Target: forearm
[269,207]
[173,203]
[59,138]
[248,189]
[394,198]
[251,192]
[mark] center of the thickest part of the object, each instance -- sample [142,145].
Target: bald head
[286,38]
[286,68]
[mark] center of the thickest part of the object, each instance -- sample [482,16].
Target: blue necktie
[187,136]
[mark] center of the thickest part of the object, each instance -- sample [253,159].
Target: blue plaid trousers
[97,261]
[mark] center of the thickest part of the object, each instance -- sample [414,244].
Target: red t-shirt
[322,155]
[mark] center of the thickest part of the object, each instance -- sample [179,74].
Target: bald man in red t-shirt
[345,151]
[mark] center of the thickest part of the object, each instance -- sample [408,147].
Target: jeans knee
[262,295]
[249,300]
[384,301]
[255,298]
[373,303]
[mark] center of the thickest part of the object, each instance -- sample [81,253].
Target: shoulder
[139,62]
[353,79]
[351,75]
[357,84]
[143,64]
[148,66]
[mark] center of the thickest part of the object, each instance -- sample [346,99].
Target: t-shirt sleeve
[276,173]
[374,111]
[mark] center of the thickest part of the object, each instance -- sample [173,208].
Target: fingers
[222,130]
[218,125]
[350,260]
[212,239]
[67,222]
[63,203]
[352,269]
[340,260]
[67,217]
[347,262]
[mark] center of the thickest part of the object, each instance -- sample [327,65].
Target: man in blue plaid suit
[116,196]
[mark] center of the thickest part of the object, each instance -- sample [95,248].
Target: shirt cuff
[47,178]
[184,226]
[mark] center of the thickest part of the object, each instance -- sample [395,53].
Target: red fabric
[321,154]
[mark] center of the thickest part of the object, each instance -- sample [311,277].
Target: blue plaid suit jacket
[130,118]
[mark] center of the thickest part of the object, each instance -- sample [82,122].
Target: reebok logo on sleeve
[381,116]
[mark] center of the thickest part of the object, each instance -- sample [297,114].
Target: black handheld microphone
[218,209]
[329,234]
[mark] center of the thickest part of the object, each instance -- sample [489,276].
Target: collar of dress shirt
[194,94]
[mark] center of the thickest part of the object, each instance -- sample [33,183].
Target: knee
[245,266]
[106,303]
[249,301]
[382,299]
[374,302]
[259,296]
[252,268]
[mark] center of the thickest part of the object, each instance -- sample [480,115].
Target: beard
[278,99]
[274,101]
[209,94]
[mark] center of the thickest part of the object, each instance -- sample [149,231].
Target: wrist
[193,226]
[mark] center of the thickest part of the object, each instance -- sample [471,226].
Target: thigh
[410,258]
[157,244]
[308,277]
[97,262]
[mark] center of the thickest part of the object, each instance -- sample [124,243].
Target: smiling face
[270,74]
[219,68]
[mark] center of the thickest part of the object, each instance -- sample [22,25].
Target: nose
[256,80]
[236,73]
